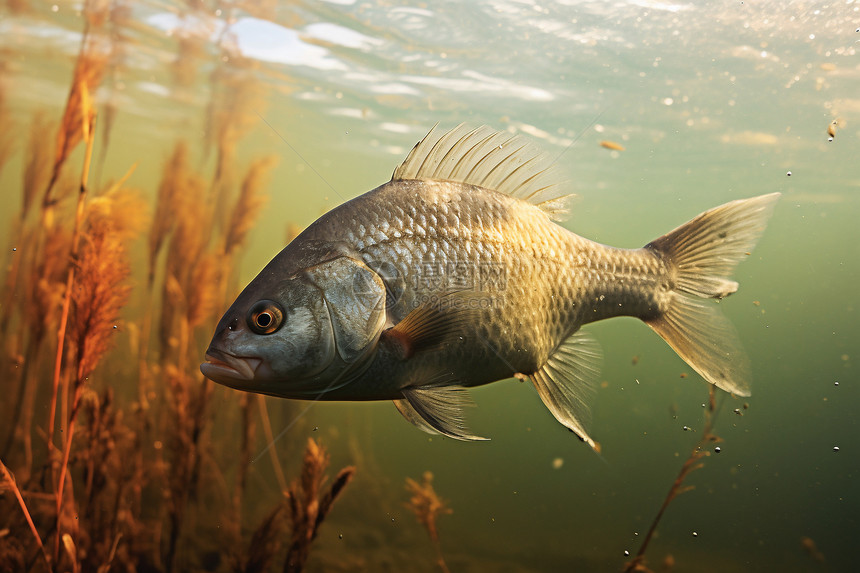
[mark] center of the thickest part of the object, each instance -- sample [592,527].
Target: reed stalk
[7,481]
[692,463]
[270,441]
[88,113]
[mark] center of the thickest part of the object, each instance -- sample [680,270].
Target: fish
[456,273]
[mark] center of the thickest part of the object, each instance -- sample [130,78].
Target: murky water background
[711,101]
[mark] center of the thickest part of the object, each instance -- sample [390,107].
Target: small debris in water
[686,429]
[789,173]
[809,545]
[835,448]
[683,374]
[717,450]
[612,145]
[626,553]
[695,534]
[557,463]
[836,383]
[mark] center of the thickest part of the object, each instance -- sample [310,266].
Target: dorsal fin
[486,158]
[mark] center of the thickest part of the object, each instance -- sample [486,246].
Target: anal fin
[437,410]
[567,382]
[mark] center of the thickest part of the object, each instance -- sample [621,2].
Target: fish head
[302,335]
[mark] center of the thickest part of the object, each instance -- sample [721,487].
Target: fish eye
[265,317]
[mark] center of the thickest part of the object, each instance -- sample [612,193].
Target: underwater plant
[309,505]
[111,443]
[693,462]
[427,506]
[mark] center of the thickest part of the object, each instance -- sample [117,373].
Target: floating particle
[340,535]
[611,145]
[756,303]
[626,553]
[683,374]
[557,463]
[634,361]
[746,405]
[836,383]
[788,174]
[809,545]
[831,129]
[717,450]
[695,534]
[738,412]
[686,428]
[835,448]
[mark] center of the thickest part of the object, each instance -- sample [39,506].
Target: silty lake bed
[652,111]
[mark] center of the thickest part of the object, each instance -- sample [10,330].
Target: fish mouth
[229,370]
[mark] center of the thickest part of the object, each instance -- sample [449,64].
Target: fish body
[454,275]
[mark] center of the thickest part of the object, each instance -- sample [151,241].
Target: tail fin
[703,253]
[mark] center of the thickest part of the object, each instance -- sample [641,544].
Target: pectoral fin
[437,410]
[567,382]
[431,325]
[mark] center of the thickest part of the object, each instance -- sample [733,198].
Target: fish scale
[477,227]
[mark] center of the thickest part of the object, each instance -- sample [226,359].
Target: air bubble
[835,448]
[717,450]
[788,174]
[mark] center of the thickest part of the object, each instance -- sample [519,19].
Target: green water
[713,101]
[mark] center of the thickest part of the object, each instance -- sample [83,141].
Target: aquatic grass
[8,483]
[8,129]
[427,506]
[265,543]
[86,77]
[309,505]
[693,462]
[248,204]
[117,468]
